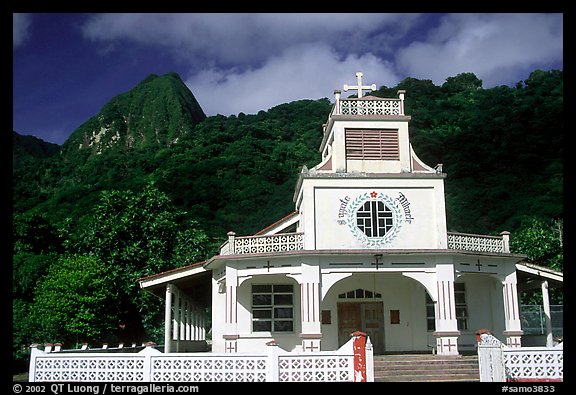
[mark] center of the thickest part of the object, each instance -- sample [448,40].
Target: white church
[366,249]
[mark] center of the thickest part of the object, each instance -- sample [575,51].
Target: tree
[75,301]
[461,83]
[542,242]
[136,235]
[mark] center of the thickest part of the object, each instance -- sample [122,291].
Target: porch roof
[195,280]
[531,276]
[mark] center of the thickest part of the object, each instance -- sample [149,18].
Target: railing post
[401,96]
[337,102]
[231,242]
[505,241]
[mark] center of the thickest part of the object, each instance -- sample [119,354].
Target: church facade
[366,249]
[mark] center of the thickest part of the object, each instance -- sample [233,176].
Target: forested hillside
[150,183]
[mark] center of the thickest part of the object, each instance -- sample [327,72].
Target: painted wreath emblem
[392,204]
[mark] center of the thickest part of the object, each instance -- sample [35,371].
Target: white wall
[253,341]
[330,210]
[485,307]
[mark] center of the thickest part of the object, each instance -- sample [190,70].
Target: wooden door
[372,317]
[349,320]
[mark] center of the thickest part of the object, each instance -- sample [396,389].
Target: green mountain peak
[157,112]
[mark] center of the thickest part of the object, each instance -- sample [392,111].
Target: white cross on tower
[359,86]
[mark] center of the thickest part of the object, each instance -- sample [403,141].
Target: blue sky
[67,66]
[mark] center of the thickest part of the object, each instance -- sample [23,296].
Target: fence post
[359,348]
[148,352]
[491,363]
[34,352]
[272,373]
[490,357]
[369,361]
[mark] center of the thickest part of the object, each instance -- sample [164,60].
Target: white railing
[151,365]
[371,107]
[480,243]
[498,362]
[285,242]
[282,242]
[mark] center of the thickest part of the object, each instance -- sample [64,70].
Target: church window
[461,307]
[359,294]
[272,308]
[373,144]
[374,218]
[430,315]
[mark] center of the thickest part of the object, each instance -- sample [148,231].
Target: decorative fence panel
[499,362]
[282,242]
[534,363]
[151,365]
[480,243]
[371,107]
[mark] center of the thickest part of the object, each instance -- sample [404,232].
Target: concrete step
[426,367]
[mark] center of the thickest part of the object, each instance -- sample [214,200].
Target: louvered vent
[372,144]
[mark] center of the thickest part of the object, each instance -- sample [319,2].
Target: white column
[310,308]
[168,318]
[446,324]
[202,326]
[175,314]
[513,331]
[196,323]
[189,315]
[547,314]
[183,313]
[230,311]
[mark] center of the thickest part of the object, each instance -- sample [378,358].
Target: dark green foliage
[239,173]
[156,113]
[137,235]
[541,241]
[25,148]
[74,302]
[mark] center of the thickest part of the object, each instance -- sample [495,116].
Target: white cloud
[306,71]
[20,29]
[495,47]
[235,39]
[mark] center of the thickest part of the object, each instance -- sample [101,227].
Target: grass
[20,377]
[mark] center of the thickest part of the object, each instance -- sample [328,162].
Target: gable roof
[280,225]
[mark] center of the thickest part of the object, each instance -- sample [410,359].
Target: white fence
[281,242]
[284,242]
[151,365]
[499,362]
[481,243]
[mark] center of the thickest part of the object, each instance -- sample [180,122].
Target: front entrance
[367,317]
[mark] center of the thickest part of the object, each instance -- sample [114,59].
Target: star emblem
[373,194]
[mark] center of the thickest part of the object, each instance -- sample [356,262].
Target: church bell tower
[370,189]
